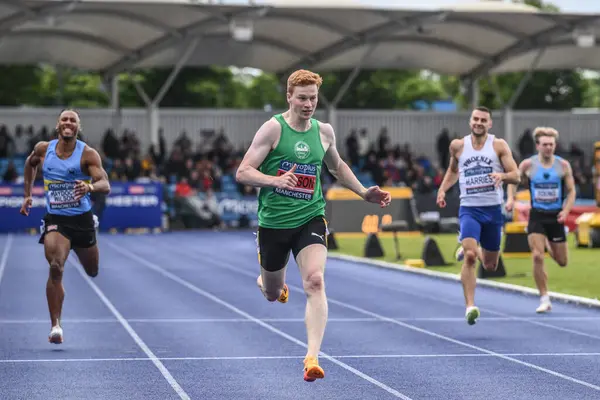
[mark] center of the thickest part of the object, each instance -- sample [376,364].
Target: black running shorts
[79,229]
[274,245]
[546,223]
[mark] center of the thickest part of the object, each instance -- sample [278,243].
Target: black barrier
[348,213]
[433,219]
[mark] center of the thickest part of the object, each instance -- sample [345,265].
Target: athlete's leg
[491,237]
[310,251]
[470,232]
[555,240]
[89,259]
[85,245]
[559,252]
[467,273]
[272,284]
[273,257]
[56,249]
[537,244]
[557,245]
[311,261]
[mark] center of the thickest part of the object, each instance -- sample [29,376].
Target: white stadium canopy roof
[468,40]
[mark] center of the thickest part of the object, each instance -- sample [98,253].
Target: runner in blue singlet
[71,170]
[550,182]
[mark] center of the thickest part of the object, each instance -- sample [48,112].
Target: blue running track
[179,316]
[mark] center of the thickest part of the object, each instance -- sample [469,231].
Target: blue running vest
[59,181]
[546,185]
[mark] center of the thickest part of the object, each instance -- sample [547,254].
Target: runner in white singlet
[481,163]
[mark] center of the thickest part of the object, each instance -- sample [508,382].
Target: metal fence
[419,129]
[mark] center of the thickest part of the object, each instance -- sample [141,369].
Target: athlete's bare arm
[570,189]
[451,176]
[511,188]
[263,142]
[30,171]
[338,167]
[511,170]
[31,163]
[93,164]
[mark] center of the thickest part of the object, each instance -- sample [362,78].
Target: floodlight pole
[152,105]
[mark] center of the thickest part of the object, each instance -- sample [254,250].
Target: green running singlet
[283,208]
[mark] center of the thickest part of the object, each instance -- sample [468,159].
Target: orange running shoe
[285,294]
[312,371]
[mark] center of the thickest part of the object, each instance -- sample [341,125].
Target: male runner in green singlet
[285,160]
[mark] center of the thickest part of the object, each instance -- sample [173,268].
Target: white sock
[545,299]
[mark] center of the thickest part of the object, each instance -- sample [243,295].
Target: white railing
[418,129]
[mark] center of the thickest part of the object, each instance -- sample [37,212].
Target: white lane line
[250,358]
[4,259]
[231,307]
[216,262]
[163,370]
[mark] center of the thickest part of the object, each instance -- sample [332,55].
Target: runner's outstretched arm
[338,167]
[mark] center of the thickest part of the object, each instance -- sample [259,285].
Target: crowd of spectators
[210,165]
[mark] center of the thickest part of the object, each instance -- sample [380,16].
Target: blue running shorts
[484,224]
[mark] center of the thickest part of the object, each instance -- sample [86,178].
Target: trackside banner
[233,207]
[129,205]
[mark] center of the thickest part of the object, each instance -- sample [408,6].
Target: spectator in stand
[6,142]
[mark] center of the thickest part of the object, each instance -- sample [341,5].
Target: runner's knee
[470,257]
[314,282]
[538,257]
[56,270]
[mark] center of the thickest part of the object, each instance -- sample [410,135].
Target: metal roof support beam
[484,24]
[311,19]
[441,43]
[509,134]
[508,126]
[474,93]
[130,17]
[540,39]
[71,35]
[525,80]
[360,38]
[29,14]
[165,41]
[153,105]
[140,91]
[332,107]
[173,75]
[497,91]
[346,85]
[115,103]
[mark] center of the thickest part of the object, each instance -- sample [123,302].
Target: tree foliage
[220,87]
